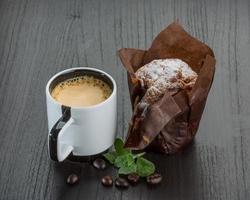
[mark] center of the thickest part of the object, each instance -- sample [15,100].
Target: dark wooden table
[40,38]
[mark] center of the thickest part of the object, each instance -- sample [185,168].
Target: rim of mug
[81,68]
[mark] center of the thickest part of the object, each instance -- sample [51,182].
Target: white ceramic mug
[80,131]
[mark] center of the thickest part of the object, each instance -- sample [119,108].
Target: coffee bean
[107,181]
[121,183]
[72,179]
[154,179]
[133,178]
[99,163]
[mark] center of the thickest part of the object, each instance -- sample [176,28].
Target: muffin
[165,74]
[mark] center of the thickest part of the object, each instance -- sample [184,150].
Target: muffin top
[165,74]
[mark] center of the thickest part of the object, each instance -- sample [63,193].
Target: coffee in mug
[81,111]
[81,91]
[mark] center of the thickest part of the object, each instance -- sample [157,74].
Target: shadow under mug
[80,132]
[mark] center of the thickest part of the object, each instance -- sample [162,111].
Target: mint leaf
[138,155]
[124,161]
[110,156]
[144,167]
[119,147]
[127,170]
[127,162]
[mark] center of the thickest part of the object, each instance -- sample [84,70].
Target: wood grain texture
[40,38]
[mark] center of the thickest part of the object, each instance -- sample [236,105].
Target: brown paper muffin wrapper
[171,123]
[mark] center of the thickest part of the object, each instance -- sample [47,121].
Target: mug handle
[57,150]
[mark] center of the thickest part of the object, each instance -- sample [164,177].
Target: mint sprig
[124,160]
[127,162]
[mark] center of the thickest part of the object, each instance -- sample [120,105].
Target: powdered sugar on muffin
[165,74]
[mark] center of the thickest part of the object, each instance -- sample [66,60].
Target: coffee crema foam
[81,91]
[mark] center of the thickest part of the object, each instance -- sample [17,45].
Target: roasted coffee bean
[121,183]
[133,178]
[99,163]
[72,179]
[107,181]
[154,179]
